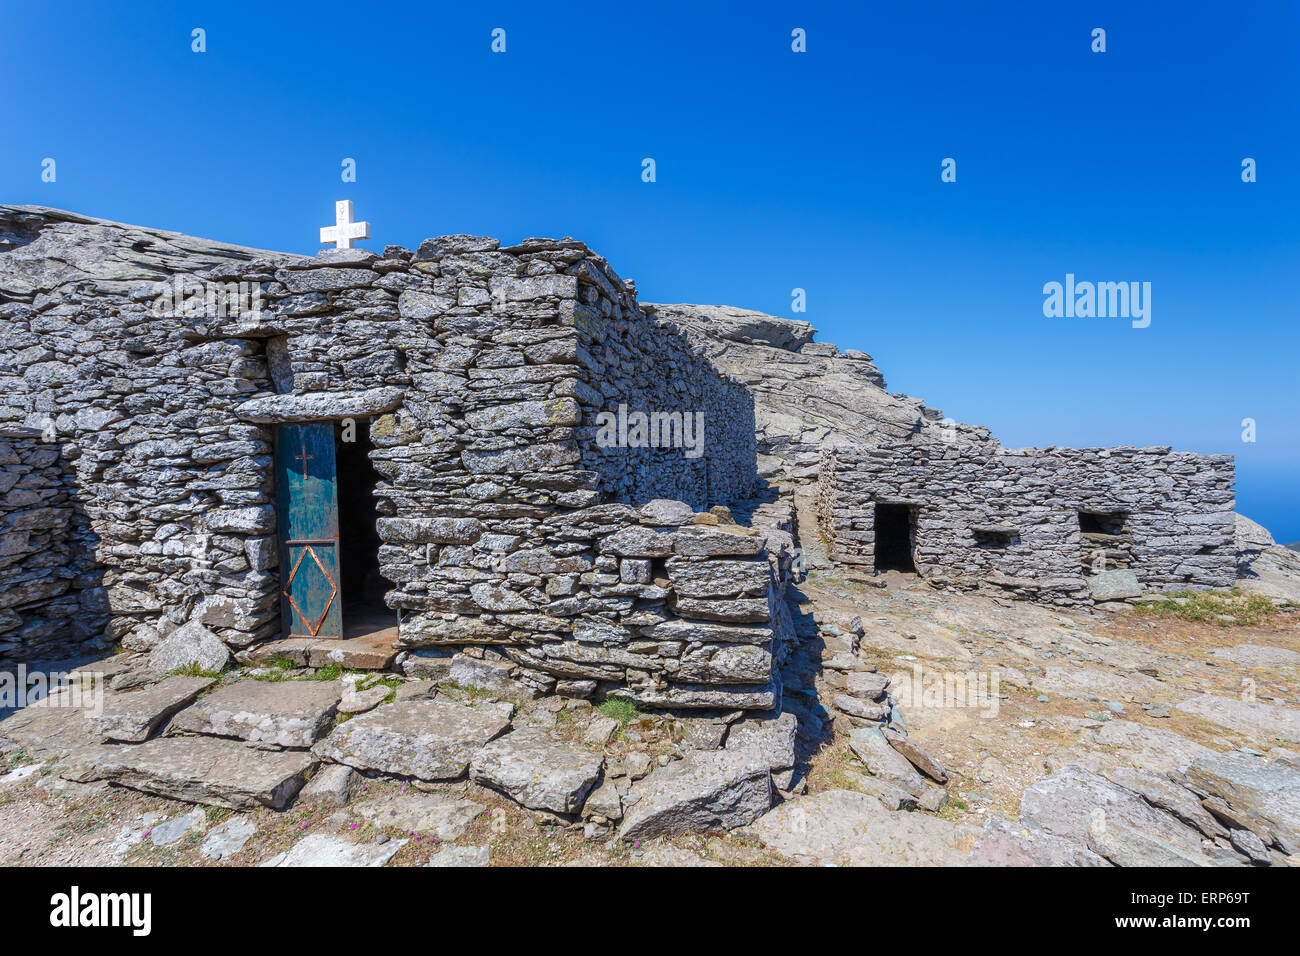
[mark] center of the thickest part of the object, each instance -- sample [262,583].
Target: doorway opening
[895,534]
[363,588]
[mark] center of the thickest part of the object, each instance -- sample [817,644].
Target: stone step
[372,653]
[206,770]
[286,713]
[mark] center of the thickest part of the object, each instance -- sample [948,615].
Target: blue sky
[775,170]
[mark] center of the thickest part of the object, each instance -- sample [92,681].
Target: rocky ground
[1079,738]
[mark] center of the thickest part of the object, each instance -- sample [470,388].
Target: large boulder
[189,646]
[708,791]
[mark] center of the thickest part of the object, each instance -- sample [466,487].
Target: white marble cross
[344,229]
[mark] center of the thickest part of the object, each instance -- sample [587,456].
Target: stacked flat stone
[43,607]
[1180,531]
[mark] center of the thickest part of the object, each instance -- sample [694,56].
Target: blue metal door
[306,481]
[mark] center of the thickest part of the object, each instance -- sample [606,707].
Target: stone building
[418,443]
[274,446]
[1042,523]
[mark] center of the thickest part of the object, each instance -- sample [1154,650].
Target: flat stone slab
[707,791]
[1245,716]
[444,816]
[131,716]
[320,849]
[430,739]
[846,828]
[282,713]
[49,727]
[207,770]
[373,653]
[1114,585]
[226,839]
[537,769]
[461,856]
[174,829]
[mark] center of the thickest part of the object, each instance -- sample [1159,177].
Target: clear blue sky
[775,170]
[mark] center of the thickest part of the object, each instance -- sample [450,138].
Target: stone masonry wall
[46,611]
[477,369]
[1011,519]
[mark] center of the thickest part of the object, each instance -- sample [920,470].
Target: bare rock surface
[846,828]
[330,786]
[1249,717]
[1070,800]
[1003,843]
[1126,845]
[430,739]
[537,769]
[462,856]
[279,713]
[1265,794]
[228,838]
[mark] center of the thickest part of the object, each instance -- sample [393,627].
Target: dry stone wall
[1010,520]
[44,605]
[479,371]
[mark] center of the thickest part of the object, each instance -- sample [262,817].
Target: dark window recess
[895,534]
[1095,522]
[363,587]
[994,539]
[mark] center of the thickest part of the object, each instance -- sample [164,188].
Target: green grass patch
[1210,607]
[621,709]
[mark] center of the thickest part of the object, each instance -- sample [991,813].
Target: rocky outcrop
[805,393]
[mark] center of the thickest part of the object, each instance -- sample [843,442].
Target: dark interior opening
[363,587]
[993,540]
[1095,522]
[895,526]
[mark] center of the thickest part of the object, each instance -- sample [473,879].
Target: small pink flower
[304,826]
[354,826]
